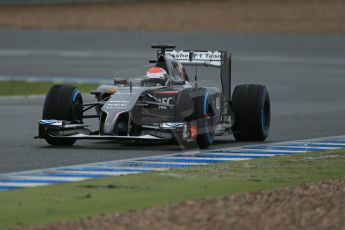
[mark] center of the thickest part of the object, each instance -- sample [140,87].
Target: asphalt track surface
[305,76]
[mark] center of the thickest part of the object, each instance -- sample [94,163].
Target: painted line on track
[43,177]
[130,55]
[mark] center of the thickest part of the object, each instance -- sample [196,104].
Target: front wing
[56,129]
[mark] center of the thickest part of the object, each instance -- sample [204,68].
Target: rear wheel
[251,106]
[205,139]
[61,103]
[205,124]
[195,106]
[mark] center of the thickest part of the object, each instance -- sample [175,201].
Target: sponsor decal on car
[165,100]
[117,104]
[199,57]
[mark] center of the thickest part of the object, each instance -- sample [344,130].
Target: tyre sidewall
[264,125]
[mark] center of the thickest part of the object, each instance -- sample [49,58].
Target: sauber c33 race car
[160,106]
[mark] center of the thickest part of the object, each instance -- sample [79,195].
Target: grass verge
[17,88]
[38,206]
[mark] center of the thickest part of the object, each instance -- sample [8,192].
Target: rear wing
[217,59]
[204,58]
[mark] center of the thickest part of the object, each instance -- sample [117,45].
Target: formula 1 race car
[161,105]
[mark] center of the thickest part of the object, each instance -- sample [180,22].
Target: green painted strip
[14,88]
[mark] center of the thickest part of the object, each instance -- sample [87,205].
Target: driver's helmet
[156,73]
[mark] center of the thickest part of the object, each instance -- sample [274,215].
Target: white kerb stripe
[326,143]
[199,158]
[267,150]
[71,171]
[165,163]
[304,147]
[22,184]
[243,154]
[48,178]
[109,166]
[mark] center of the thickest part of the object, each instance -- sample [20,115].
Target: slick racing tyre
[206,124]
[61,103]
[251,106]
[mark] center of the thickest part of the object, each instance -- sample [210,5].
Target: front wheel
[61,103]
[251,106]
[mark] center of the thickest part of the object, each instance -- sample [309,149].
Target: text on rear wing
[207,58]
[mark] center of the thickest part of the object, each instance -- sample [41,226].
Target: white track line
[140,55]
